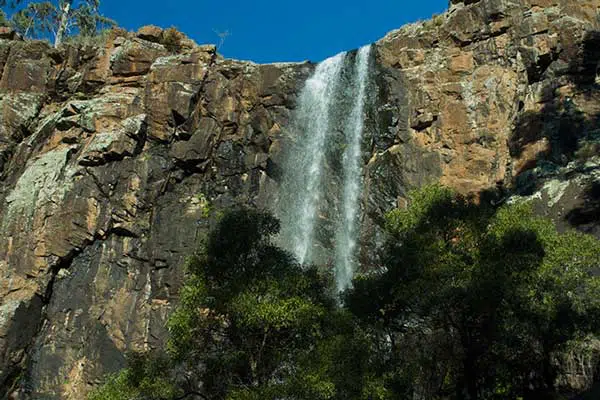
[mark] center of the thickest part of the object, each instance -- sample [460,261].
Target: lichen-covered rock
[116,144]
[135,57]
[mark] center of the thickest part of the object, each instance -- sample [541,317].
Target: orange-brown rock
[150,33]
[97,146]
[474,73]
[8,33]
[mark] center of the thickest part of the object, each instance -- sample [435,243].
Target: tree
[248,311]
[347,362]
[63,20]
[147,377]
[35,20]
[57,18]
[473,301]
[251,324]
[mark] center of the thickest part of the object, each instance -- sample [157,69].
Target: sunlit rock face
[116,158]
[504,96]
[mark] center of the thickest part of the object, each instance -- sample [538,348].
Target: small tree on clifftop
[56,19]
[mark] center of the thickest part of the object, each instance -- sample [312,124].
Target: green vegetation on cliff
[472,303]
[147,377]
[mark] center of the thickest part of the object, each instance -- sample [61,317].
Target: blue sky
[268,30]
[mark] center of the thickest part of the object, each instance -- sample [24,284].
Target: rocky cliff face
[115,158]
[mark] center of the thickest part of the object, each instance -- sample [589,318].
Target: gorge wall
[115,158]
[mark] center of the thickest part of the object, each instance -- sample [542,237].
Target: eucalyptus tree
[56,19]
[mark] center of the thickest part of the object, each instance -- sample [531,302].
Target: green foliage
[88,21]
[473,303]
[3,21]
[97,40]
[494,294]
[36,20]
[247,311]
[115,387]
[42,19]
[344,364]
[426,206]
[437,19]
[204,203]
[146,377]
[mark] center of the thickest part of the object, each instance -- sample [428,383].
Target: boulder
[150,33]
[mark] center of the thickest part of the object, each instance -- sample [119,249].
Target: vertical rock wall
[114,160]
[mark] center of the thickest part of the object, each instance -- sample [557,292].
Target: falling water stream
[314,193]
[305,163]
[347,230]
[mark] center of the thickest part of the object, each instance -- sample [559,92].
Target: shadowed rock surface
[115,158]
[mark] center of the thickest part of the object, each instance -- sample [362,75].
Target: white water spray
[319,202]
[347,231]
[305,167]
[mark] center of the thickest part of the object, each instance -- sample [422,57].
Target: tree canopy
[489,295]
[55,19]
[472,302]
[248,309]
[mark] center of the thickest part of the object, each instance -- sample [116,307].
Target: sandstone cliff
[114,158]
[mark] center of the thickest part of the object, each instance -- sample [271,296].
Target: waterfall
[347,231]
[305,163]
[319,203]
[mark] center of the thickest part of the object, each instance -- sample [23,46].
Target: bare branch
[222,36]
